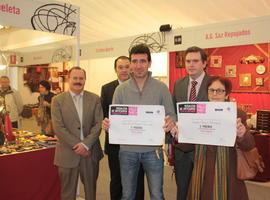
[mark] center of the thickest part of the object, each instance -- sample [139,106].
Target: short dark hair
[120,57]
[45,84]
[140,49]
[196,49]
[224,81]
[76,68]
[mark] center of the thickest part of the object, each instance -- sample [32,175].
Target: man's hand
[106,124]
[169,124]
[174,132]
[81,150]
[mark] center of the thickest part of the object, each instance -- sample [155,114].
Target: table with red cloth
[29,176]
[263,145]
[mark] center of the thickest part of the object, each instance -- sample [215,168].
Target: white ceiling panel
[110,19]
[107,19]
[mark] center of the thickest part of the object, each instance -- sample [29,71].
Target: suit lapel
[72,106]
[185,89]
[86,103]
[114,86]
[203,91]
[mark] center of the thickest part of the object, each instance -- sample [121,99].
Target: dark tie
[192,96]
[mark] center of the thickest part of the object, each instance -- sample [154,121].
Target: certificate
[136,124]
[210,123]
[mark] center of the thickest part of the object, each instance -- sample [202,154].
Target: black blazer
[107,92]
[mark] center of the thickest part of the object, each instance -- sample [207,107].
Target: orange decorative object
[8,129]
[252,59]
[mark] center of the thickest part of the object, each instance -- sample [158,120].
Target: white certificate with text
[210,123]
[136,124]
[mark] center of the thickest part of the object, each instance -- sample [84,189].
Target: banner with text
[233,33]
[48,16]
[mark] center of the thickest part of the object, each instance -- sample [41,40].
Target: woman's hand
[240,128]
[106,124]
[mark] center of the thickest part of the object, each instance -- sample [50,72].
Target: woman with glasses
[214,173]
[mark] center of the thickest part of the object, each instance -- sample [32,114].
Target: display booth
[238,50]
[27,164]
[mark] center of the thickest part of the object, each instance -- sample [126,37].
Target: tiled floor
[257,191]
[103,183]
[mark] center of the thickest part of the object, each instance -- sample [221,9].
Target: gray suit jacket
[66,125]
[181,89]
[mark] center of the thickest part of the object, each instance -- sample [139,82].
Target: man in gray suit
[77,117]
[190,88]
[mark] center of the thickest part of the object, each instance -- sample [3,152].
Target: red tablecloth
[263,145]
[29,176]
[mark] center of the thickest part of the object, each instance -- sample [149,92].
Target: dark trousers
[115,184]
[183,171]
[14,124]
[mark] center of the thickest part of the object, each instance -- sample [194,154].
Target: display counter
[29,176]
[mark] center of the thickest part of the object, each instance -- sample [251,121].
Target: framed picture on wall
[259,81]
[245,80]
[180,59]
[230,71]
[216,61]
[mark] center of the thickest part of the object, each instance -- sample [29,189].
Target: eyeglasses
[217,91]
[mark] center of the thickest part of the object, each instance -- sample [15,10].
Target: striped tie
[192,96]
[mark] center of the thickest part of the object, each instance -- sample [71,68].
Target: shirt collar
[149,74]
[73,94]
[120,81]
[199,79]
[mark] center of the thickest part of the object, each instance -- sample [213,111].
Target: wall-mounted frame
[230,71]
[245,80]
[180,59]
[259,81]
[216,61]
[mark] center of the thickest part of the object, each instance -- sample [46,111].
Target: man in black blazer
[195,63]
[121,67]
